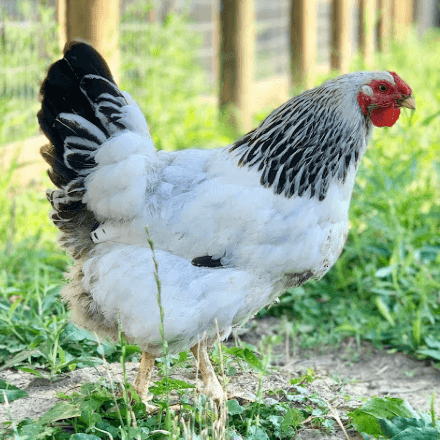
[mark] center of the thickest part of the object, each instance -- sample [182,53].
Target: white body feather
[232,227]
[195,203]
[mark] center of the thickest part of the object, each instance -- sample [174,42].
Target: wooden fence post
[400,19]
[385,25]
[340,50]
[410,12]
[96,21]
[367,16]
[61,19]
[152,12]
[236,60]
[215,41]
[303,38]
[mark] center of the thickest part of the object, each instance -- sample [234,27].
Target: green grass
[25,54]
[385,288]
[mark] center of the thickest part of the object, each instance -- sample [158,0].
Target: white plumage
[201,204]
[232,227]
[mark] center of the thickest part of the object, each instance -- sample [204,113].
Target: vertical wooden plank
[385,25]
[400,14]
[340,50]
[427,12]
[303,38]
[96,21]
[62,22]
[152,12]
[367,16]
[236,60]
[215,41]
[410,13]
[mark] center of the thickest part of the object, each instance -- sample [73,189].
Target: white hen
[232,227]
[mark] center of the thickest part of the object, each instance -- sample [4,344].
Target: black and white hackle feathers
[302,145]
[232,227]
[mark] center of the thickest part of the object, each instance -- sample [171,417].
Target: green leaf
[61,355]
[234,407]
[367,417]
[34,372]
[417,328]
[131,349]
[305,378]
[61,411]
[167,384]
[294,418]
[383,272]
[384,311]
[20,357]
[12,392]
[74,333]
[408,429]
[346,328]
[106,349]
[435,354]
[431,342]
[256,433]
[248,355]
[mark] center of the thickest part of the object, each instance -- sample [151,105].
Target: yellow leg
[141,383]
[212,385]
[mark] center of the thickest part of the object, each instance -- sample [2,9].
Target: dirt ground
[362,372]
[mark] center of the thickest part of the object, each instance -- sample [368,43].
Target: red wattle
[385,117]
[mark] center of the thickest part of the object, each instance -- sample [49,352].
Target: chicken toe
[141,383]
[212,385]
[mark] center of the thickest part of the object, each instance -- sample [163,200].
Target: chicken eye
[382,88]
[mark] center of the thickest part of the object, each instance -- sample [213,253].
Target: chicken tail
[99,149]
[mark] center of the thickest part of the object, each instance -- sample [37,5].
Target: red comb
[404,88]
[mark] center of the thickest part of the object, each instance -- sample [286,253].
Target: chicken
[232,227]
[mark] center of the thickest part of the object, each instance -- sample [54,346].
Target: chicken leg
[212,385]
[141,383]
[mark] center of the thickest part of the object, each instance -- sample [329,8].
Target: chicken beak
[408,102]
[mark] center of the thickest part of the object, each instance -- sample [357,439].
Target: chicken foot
[203,364]
[212,385]
[142,382]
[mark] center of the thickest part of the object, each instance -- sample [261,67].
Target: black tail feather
[70,106]
[60,93]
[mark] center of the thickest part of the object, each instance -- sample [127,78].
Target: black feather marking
[74,89]
[96,88]
[71,126]
[281,181]
[272,172]
[79,162]
[308,138]
[206,261]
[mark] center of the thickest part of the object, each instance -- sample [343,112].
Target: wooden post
[400,19]
[152,12]
[410,12]
[367,15]
[303,31]
[385,24]
[62,26]
[426,14]
[236,60]
[340,50]
[215,41]
[96,21]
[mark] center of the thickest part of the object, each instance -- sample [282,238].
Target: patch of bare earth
[344,377]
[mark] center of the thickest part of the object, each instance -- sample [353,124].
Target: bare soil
[352,371]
